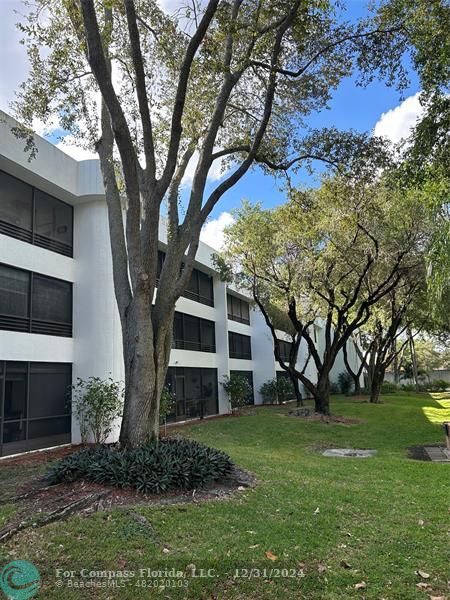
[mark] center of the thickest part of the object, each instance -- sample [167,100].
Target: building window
[33,303]
[196,393]
[239,346]
[193,333]
[35,409]
[33,216]
[285,349]
[249,377]
[200,287]
[238,310]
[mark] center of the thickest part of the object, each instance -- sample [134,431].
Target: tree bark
[377,382]
[297,392]
[146,351]
[322,396]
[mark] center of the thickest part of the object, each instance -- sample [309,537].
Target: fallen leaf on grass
[360,586]
[121,562]
[166,550]
[254,546]
[321,568]
[422,574]
[270,555]
[422,585]
[421,522]
[346,564]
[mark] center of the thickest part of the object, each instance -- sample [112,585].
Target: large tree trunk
[413,360]
[322,396]
[146,354]
[297,392]
[377,382]
[356,383]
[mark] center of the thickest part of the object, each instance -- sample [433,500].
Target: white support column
[220,304]
[262,353]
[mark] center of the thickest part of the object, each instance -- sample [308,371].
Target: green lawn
[386,517]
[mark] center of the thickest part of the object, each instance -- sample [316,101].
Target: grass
[339,522]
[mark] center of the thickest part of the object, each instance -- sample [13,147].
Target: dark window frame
[235,349]
[249,376]
[30,324]
[197,406]
[31,236]
[285,348]
[33,443]
[196,296]
[196,346]
[232,314]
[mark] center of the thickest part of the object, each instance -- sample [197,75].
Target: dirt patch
[331,419]
[419,452]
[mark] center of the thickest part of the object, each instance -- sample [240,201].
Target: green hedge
[170,464]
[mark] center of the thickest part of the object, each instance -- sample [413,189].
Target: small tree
[238,390]
[166,405]
[329,255]
[97,403]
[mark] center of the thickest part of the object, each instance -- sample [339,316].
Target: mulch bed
[38,457]
[419,452]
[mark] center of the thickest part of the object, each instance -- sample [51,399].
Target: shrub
[166,403]
[285,390]
[277,391]
[268,391]
[440,385]
[387,387]
[408,387]
[97,403]
[167,464]
[334,388]
[345,382]
[238,390]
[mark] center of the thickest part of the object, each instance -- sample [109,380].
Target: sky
[376,108]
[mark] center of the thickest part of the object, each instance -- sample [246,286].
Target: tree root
[60,514]
[27,495]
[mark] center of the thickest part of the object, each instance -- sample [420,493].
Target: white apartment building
[58,317]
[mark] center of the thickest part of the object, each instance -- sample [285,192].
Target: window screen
[53,218]
[14,291]
[52,300]
[16,202]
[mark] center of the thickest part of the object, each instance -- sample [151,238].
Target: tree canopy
[335,255]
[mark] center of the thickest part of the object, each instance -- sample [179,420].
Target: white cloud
[14,63]
[396,124]
[212,233]
[215,172]
[70,147]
